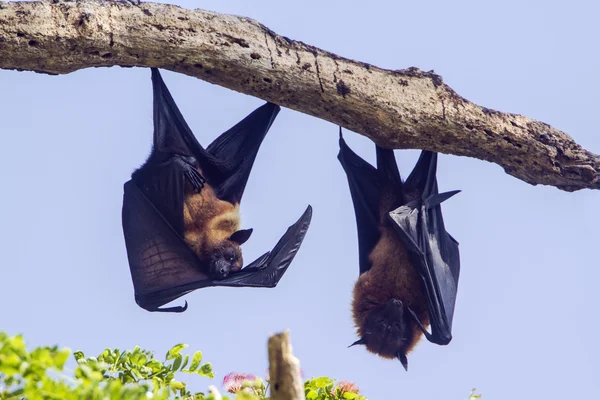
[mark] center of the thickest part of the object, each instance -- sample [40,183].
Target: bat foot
[195,179]
[191,173]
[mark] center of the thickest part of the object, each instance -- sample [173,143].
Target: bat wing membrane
[162,267]
[363,180]
[228,160]
[235,151]
[268,269]
[420,227]
[172,135]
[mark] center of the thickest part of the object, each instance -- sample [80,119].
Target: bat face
[386,330]
[409,264]
[383,296]
[227,257]
[225,260]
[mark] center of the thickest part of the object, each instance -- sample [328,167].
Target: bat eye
[232,257]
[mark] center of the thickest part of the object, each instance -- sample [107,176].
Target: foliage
[324,388]
[133,375]
[130,374]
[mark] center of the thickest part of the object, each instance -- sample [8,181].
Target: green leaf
[175,350]
[78,355]
[17,343]
[312,395]
[196,361]
[141,360]
[322,382]
[206,370]
[154,365]
[61,358]
[177,363]
[350,395]
[177,385]
[185,362]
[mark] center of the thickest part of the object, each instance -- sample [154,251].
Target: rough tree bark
[285,379]
[400,109]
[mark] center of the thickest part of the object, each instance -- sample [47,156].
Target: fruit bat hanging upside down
[409,264]
[181,217]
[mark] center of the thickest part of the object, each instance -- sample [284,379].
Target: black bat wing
[268,269]
[235,152]
[227,161]
[420,227]
[171,164]
[162,267]
[365,187]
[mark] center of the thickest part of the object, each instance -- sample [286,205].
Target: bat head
[227,257]
[387,331]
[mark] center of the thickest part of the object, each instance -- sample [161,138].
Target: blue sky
[525,323]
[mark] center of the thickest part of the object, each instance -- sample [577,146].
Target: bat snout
[394,309]
[220,269]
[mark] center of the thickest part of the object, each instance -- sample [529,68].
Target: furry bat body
[409,264]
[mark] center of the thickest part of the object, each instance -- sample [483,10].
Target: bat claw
[196,179]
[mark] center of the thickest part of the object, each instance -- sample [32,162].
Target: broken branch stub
[403,109]
[285,380]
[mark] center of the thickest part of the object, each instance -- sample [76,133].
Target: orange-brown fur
[392,276]
[209,222]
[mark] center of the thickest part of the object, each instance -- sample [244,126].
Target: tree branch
[285,379]
[400,109]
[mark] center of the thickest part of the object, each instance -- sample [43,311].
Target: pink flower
[347,387]
[234,381]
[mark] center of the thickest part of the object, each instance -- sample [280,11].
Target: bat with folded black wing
[409,264]
[181,210]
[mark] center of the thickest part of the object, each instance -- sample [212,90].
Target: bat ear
[241,236]
[359,341]
[403,360]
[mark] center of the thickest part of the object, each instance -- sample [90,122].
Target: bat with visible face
[181,218]
[409,264]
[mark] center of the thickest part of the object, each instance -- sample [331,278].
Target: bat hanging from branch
[181,218]
[409,264]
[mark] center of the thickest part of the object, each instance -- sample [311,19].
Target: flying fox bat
[181,218]
[409,264]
